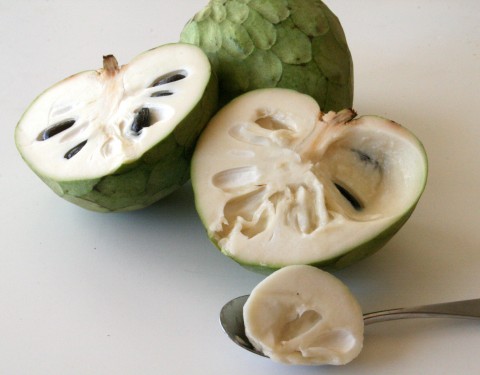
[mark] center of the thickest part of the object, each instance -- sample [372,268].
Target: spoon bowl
[231,319]
[231,316]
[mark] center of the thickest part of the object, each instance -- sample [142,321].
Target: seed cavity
[273,123]
[141,120]
[55,129]
[302,323]
[236,178]
[174,76]
[349,197]
[336,340]
[247,211]
[304,212]
[248,133]
[75,150]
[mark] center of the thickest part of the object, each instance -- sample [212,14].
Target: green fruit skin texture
[157,173]
[296,44]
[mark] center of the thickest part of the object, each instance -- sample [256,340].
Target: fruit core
[326,177]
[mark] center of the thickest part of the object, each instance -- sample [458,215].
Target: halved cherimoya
[277,182]
[121,137]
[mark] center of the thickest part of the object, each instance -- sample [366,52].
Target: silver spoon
[231,316]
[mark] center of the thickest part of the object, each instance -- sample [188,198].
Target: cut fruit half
[277,182]
[121,137]
[304,316]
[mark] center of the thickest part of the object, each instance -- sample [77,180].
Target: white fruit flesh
[302,315]
[103,104]
[277,182]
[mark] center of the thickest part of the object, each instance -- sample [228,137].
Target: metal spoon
[231,316]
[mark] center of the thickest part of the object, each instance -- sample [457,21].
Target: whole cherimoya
[296,44]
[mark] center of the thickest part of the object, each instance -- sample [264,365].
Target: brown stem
[110,65]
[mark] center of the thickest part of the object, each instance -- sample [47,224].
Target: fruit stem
[110,65]
[342,117]
[322,136]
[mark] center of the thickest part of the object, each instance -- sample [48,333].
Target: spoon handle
[469,309]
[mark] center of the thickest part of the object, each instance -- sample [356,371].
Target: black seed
[55,129]
[141,120]
[349,197]
[74,151]
[161,93]
[168,78]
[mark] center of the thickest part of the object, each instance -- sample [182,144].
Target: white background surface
[139,293]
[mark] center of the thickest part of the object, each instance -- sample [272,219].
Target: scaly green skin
[297,44]
[157,173]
